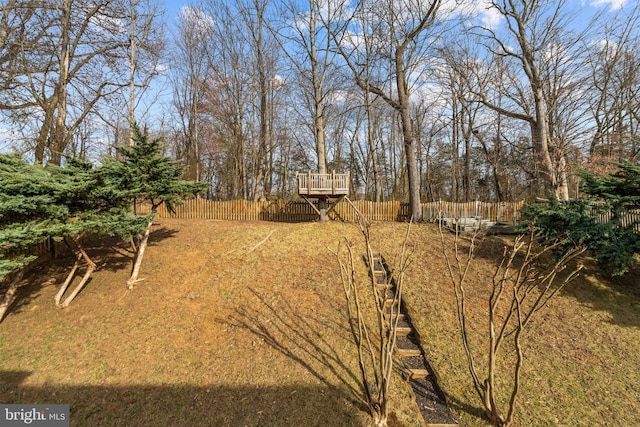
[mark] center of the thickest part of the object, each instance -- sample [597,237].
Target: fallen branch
[260,242]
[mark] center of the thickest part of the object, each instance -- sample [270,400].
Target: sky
[173,7]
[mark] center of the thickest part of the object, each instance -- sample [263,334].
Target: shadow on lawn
[109,253]
[619,296]
[298,338]
[178,405]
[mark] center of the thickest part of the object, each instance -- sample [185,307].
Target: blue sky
[173,7]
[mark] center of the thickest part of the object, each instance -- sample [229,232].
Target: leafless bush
[520,288]
[375,342]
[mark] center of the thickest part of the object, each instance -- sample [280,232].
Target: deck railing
[323,184]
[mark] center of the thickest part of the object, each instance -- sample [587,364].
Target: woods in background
[498,101]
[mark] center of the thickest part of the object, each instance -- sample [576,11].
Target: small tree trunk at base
[322,207]
[10,296]
[66,283]
[141,248]
[91,267]
[380,421]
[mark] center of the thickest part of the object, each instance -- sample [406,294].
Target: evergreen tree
[619,192]
[38,203]
[145,175]
[607,221]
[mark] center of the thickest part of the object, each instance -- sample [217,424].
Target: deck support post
[322,207]
[310,203]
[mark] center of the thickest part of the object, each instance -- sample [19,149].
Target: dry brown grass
[581,355]
[222,332]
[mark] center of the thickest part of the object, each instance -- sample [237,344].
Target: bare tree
[265,50]
[304,38]
[194,33]
[613,63]
[146,45]
[376,344]
[401,37]
[521,287]
[532,28]
[70,56]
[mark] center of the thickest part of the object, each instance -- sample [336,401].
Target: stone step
[390,302]
[403,331]
[442,425]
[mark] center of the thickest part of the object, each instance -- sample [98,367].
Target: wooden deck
[323,184]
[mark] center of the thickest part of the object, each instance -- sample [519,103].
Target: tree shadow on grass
[185,405]
[459,406]
[161,234]
[619,296]
[109,253]
[595,287]
[297,337]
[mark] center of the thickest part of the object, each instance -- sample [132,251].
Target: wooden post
[309,182]
[333,182]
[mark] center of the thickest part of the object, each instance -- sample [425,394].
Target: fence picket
[298,211]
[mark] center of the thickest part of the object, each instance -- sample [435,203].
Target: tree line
[420,101]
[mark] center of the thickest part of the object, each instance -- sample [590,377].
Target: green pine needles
[77,200]
[607,221]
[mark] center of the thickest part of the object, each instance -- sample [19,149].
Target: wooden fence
[630,218]
[301,211]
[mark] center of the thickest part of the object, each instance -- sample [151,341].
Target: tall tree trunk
[132,72]
[60,138]
[455,149]
[372,148]
[540,133]
[408,138]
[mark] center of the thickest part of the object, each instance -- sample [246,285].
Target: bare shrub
[375,341]
[522,285]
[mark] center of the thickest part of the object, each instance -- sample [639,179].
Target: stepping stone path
[415,367]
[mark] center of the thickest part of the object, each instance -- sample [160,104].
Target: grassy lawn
[231,329]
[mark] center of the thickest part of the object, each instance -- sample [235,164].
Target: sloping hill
[243,324]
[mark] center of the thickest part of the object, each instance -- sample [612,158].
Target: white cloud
[103,25]
[613,4]
[196,19]
[490,18]
[9,140]
[475,10]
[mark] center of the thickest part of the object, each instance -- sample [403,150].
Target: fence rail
[300,211]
